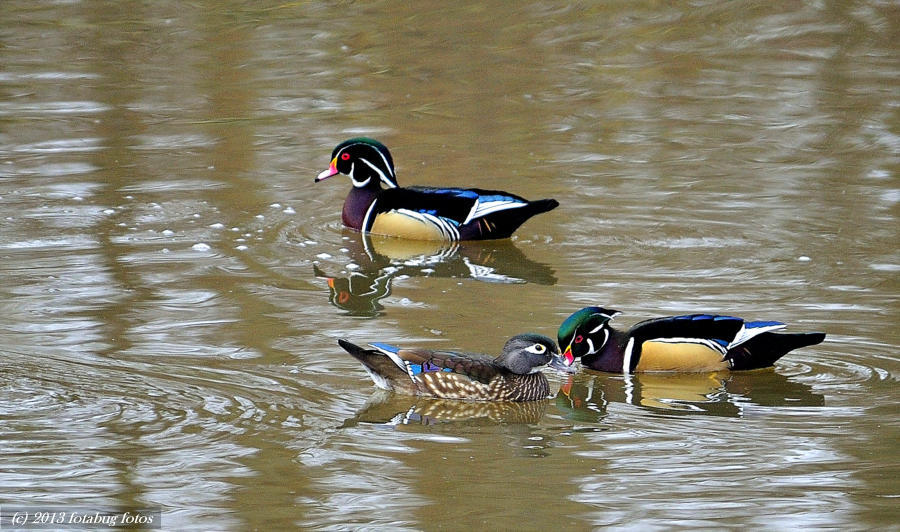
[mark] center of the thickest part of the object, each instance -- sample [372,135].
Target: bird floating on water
[421,213]
[513,376]
[690,343]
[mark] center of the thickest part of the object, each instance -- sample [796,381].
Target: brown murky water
[168,331]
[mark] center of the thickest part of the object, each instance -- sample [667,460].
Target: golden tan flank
[669,356]
[402,225]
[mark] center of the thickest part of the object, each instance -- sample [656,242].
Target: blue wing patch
[758,324]
[387,348]
[471,194]
[497,197]
[694,317]
[436,214]
[427,367]
[707,317]
[460,192]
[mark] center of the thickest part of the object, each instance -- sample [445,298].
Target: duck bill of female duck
[564,362]
[328,172]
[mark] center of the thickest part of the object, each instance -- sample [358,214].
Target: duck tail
[384,372]
[762,351]
[542,205]
[502,224]
[356,351]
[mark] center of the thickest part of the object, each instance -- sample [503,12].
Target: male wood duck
[692,343]
[421,213]
[513,376]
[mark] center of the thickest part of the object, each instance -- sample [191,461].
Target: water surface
[173,283]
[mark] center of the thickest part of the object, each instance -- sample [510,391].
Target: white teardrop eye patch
[537,349]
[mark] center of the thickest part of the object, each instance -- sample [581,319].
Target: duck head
[367,162]
[528,353]
[585,332]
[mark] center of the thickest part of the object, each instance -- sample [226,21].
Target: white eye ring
[538,349]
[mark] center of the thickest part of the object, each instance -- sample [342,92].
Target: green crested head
[584,332]
[366,161]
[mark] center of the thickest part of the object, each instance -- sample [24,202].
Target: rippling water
[173,283]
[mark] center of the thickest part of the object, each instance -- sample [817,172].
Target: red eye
[345,156]
[578,339]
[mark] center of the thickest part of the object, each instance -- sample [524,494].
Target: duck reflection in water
[586,396]
[386,408]
[380,260]
[517,422]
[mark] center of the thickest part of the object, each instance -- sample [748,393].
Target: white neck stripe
[366,222]
[626,362]
[377,170]
[387,164]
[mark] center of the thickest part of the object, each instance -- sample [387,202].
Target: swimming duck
[513,376]
[421,213]
[691,343]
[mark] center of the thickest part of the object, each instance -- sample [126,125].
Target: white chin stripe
[381,175]
[591,348]
[389,182]
[356,183]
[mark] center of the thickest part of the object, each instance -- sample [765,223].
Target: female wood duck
[513,376]
[696,342]
[421,213]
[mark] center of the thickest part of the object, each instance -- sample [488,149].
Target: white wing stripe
[745,334]
[393,356]
[483,209]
